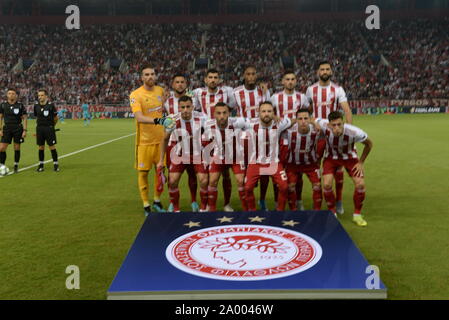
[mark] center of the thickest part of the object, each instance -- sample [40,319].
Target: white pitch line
[73,153]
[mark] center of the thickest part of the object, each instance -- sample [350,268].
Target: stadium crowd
[404,59]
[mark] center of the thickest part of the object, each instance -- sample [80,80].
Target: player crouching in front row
[340,151]
[299,152]
[224,140]
[178,142]
[264,134]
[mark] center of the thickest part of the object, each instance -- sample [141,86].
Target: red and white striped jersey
[260,136]
[205,101]
[247,101]
[227,143]
[325,99]
[171,105]
[186,135]
[342,147]
[286,105]
[300,148]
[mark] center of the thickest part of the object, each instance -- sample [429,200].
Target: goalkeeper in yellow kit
[147,105]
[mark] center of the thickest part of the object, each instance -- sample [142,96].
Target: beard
[212,86]
[222,123]
[266,120]
[303,127]
[181,92]
[325,77]
[250,84]
[150,82]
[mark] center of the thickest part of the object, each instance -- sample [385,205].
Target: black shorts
[45,134]
[11,133]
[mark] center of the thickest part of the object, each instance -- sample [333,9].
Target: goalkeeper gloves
[164,121]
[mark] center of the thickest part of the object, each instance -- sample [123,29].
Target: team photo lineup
[223,128]
[223,150]
[310,134]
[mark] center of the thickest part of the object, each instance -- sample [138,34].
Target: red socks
[174,198]
[330,199]
[242,197]
[250,200]
[359,196]
[204,199]
[339,184]
[212,198]
[317,198]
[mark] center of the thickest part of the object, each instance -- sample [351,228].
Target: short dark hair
[266,102]
[334,115]
[246,67]
[222,104]
[301,110]
[288,71]
[319,64]
[12,89]
[178,75]
[185,99]
[147,66]
[211,71]
[43,90]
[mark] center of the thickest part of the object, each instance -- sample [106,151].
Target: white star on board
[192,224]
[289,223]
[225,219]
[256,219]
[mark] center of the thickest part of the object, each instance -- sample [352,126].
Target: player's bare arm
[347,110]
[143,119]
[315,124]
[165,95]
[25,124]
[358,169]
[1,125]
[164,144]
[264,87]
[165,121]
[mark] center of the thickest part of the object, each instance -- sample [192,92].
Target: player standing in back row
[325,97]
[248,98]
[249,95]
[147,104]
[171,107]
[286,103]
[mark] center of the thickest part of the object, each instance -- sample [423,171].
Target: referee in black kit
[14,116]
[46,116]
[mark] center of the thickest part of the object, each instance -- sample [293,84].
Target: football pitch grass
[89,213]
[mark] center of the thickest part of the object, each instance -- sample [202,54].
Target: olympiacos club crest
[243,252]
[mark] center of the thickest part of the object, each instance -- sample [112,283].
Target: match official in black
[14,116]
[46,117]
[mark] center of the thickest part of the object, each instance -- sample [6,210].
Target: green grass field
[89,213]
